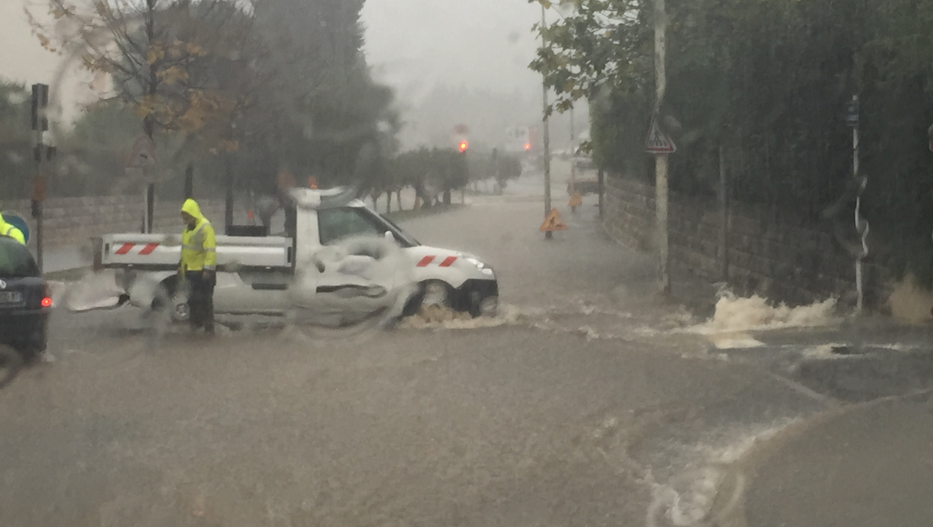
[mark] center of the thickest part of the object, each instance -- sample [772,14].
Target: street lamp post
[546,136]
[661,165]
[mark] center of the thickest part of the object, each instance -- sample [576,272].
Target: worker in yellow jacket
[8,230]
[198,265]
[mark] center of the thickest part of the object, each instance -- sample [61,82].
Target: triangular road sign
[658,142]
[142,155]
[553,222]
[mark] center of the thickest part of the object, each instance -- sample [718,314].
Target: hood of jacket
[191,207]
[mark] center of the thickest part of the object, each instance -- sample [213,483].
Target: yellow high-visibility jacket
[8,230]
[198,244]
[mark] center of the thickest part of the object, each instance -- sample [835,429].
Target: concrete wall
[72,221]
[780,257]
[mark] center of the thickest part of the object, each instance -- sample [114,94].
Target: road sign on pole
[852,112]
[658,143]
[142,154]
[18,221]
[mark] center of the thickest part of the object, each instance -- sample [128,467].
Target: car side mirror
[389,236]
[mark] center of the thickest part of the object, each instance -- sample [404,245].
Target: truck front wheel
[430,293]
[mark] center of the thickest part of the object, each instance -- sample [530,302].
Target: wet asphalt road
[580,406]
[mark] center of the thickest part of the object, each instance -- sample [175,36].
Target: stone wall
[780,257]
[72,221]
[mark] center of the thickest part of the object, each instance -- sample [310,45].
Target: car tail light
[46,301]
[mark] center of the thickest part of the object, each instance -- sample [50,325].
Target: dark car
[25,304]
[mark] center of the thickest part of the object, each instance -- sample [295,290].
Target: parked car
[25,304]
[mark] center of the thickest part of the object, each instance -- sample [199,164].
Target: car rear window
[15,260]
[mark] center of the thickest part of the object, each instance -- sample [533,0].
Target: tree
[15,140]
[185,69]
[326,108]
[767,81]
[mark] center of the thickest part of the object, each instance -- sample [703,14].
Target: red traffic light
[527,147]
[463,146]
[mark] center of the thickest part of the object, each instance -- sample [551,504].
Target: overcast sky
[412,45]
[486,44]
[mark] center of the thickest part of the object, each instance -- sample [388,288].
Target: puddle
[687,498]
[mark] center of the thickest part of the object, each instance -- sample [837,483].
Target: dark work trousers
[201,300]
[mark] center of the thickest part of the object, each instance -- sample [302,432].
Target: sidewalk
[870,466]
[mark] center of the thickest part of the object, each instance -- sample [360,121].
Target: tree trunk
[398,198]
[189,181]
[228,201]
[388,202]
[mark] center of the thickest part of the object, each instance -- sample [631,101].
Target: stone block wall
[73,221]
[779,257]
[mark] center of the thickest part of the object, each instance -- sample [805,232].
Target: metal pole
[723,217]
[39,226]
[601,184]
[573,161]
[661,165]
[547,138]
[858,221]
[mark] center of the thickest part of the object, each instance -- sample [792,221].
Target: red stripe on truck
[148,248]
[125,248]
[448,261]
[426,261]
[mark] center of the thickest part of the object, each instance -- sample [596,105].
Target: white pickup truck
[256,271]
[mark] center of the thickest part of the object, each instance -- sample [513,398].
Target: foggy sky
[414,46]
[485,44]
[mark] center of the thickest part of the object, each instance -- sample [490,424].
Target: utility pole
[547,138]
[40,123]
[573,156]
[661,165]
[861,226]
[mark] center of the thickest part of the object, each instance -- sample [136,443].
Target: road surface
[589,401]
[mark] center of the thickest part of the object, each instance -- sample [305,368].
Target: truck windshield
[403,237]
[343,222]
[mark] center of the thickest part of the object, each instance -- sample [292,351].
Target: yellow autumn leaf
[172,75]
[154,54]
[141,110]
[193,49]
[229,146]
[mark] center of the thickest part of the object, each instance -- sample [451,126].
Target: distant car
[25,303]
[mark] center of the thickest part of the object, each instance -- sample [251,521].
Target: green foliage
[767,81]
[501,167]
[15,140]
[324,115]
[429,171]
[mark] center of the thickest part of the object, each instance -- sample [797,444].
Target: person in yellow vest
[8,230]
[198,265]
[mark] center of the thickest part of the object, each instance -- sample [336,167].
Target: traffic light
[40,102]
[527,147]
[463,146]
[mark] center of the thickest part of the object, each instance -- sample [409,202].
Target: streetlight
[546,136]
